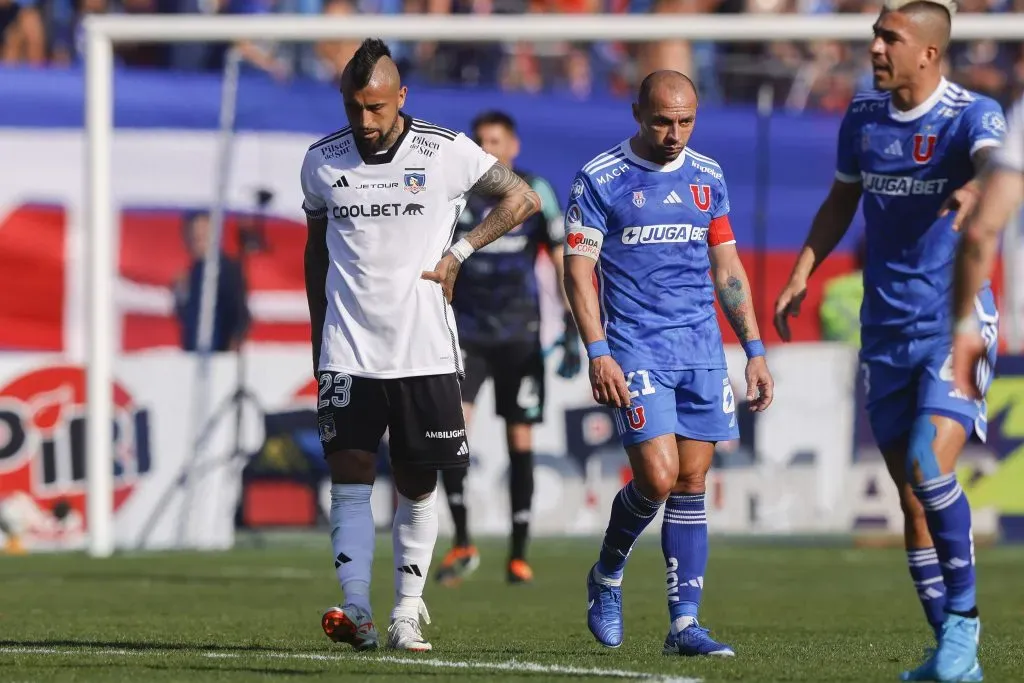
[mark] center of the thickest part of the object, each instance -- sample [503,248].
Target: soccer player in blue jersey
[912,149]
[651,216]
[497,310]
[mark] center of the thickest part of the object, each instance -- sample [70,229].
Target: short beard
[384,142]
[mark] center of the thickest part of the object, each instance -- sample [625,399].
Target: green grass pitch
[827,612]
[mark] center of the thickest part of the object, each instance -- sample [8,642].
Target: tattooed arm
[1001,195]
[517,202]
[963,200]
[733,291]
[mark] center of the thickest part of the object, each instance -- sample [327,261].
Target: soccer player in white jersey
[911,153]
[382,199]
[1002,193]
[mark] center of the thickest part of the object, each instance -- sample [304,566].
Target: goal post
[103,31]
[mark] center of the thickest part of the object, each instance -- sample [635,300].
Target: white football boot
[404,632]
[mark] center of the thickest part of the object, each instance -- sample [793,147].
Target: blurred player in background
[912,149]
[231,318]
[652,216]
[1002,192]
[497,306]
[381,198]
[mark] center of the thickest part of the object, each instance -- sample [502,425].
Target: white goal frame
[102,32]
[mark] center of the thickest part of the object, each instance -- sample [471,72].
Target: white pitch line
[512,665]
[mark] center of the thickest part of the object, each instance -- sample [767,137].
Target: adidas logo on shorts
[463,449]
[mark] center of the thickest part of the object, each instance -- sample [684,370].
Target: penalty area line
[513,665]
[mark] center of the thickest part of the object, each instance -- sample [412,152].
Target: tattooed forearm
[732,294]
[1002,193]
[980,160]
[518,202]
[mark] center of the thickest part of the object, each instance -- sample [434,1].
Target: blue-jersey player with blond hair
[651,217]
[912,151]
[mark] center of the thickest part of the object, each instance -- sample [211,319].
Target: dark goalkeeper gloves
[570,365]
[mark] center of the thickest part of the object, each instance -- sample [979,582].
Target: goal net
[204,440]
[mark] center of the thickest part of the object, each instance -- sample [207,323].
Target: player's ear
[401,96]
[514,151]
[636,112]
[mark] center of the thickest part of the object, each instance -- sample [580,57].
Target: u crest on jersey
[924,147]
[701,196]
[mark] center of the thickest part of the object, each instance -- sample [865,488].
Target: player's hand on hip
[788,304]
[968,349]
[608,382]
[444,273]
[760,385]
[961,203]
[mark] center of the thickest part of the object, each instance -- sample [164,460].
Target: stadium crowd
[822,75]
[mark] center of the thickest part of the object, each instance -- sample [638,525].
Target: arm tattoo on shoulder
[734,302]
[497,181]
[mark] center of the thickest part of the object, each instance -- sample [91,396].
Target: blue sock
[949,522]
[931,591]
[684,540]
[631,513]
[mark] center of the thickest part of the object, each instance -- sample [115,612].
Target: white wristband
[461,250]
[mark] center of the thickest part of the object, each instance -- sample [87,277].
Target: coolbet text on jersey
[390,218]
[649,228]
[908,163]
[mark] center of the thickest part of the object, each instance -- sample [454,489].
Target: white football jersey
[390,219]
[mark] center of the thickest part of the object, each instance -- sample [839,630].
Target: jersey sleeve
[313,204]
[585,220]
[1010,155]
[465,165]
[847,165]
[985,124]
[720,229]
[551,209]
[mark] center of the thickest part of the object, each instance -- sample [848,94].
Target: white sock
[414,536]
[352,538]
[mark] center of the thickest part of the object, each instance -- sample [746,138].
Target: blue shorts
[916,378]
[696,404]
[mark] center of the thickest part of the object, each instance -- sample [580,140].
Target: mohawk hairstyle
[365,59]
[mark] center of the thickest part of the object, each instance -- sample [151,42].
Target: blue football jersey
[908,164]
[649,228]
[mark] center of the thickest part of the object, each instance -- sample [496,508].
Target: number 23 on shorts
[335,390]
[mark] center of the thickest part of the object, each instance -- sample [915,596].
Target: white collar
[921,109]
[673,165]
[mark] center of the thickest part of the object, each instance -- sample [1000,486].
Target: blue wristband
[753,348]
[598,349]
